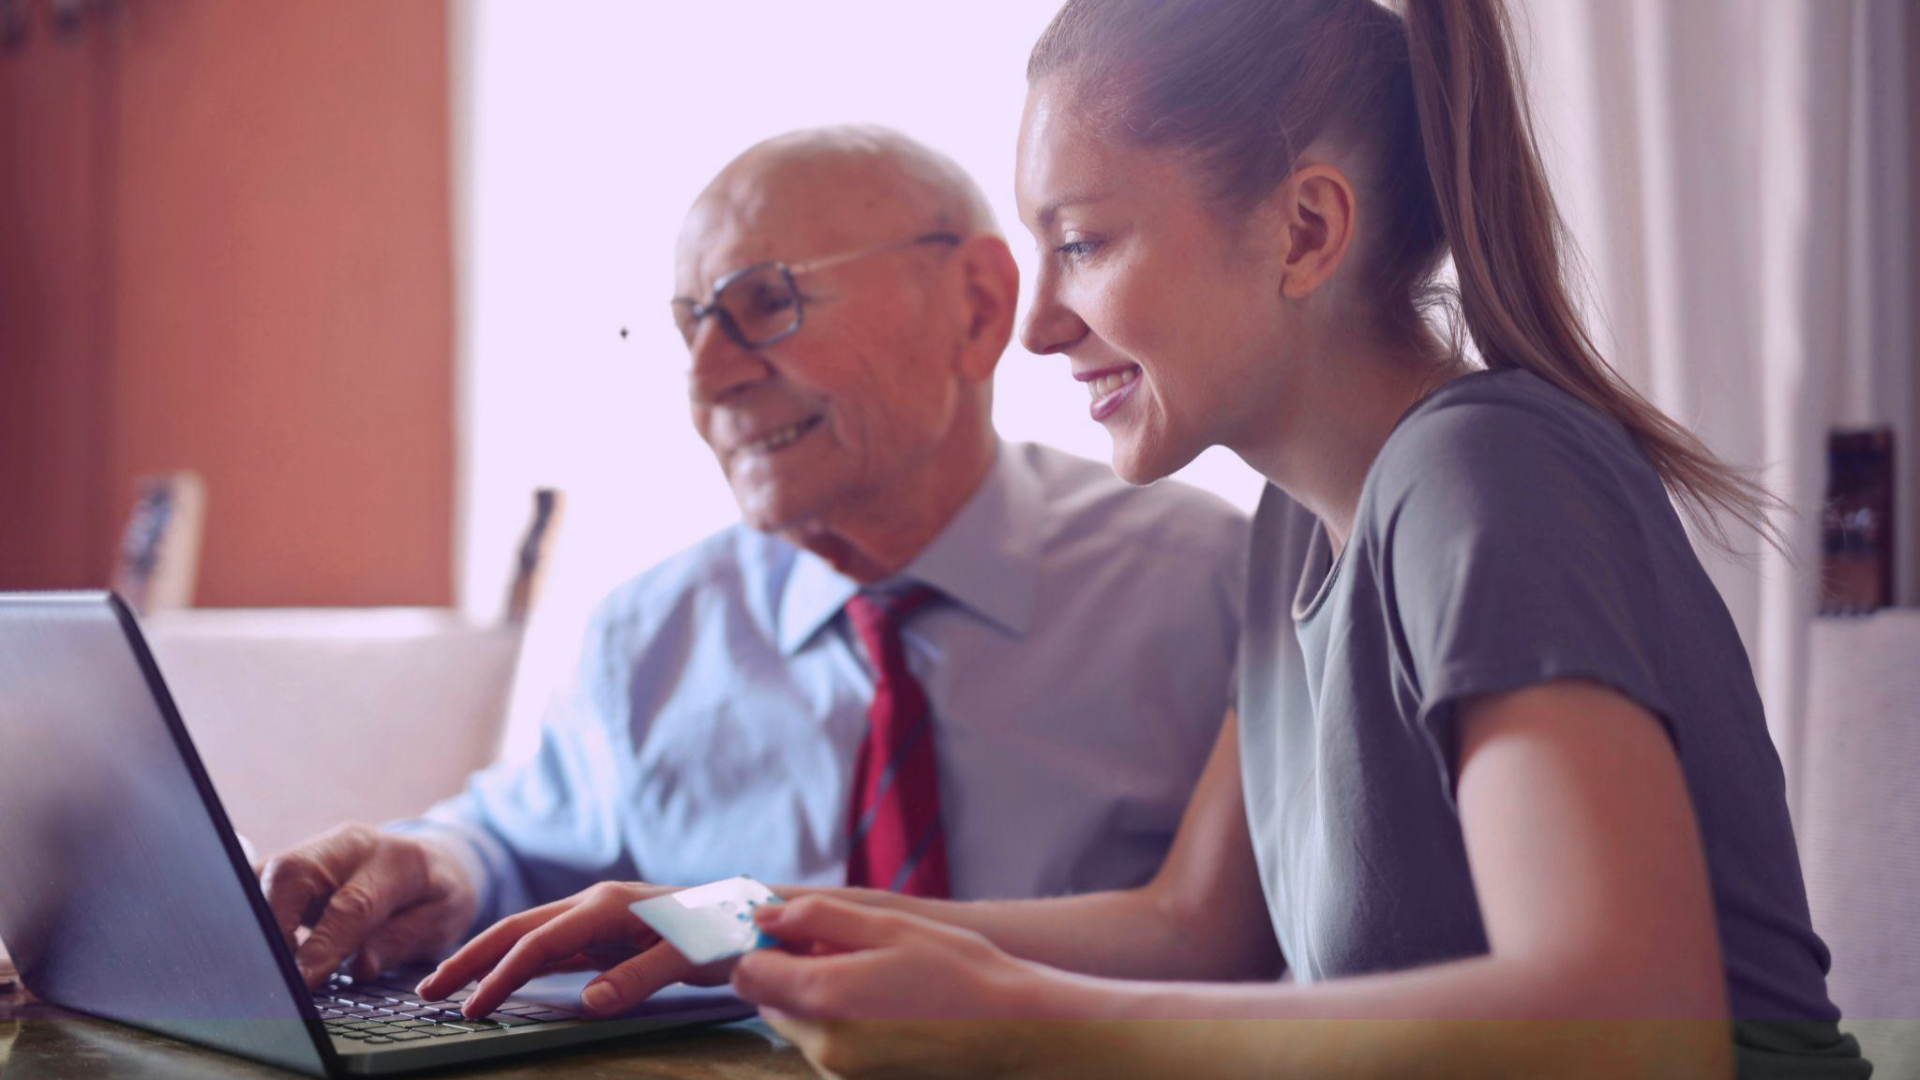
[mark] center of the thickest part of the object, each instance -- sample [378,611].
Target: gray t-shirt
[1506,534]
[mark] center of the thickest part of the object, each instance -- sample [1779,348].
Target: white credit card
[709,922]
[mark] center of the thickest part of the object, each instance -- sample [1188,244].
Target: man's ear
[1316,210]
[992,283]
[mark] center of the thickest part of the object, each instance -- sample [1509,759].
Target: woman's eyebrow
[1052,209]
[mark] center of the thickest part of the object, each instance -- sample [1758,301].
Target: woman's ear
[1316,210]
[992,283]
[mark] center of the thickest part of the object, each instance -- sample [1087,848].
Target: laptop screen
[122,891]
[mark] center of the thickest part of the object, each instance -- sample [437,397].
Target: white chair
[1859,826]
[307,718]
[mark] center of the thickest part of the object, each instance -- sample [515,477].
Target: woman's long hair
[1431,104]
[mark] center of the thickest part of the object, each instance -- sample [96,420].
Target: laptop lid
[123,891]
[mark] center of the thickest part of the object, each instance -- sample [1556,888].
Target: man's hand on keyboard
[377,898]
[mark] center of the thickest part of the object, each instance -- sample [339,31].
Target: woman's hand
[845,965]
[591,930]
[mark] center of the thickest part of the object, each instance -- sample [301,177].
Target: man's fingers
[292,883]
[633,981]
[299,883]
[355,911]
[414,932]
[813,921]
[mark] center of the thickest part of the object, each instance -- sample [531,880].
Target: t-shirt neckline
[1320,544]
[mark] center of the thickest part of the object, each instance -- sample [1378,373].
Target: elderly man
[928,661]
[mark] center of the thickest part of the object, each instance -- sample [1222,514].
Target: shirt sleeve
[1515,552]
[540,829]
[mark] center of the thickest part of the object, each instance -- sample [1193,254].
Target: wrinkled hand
[377,898]
[867,992]
[591,930]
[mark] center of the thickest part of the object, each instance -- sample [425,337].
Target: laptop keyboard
[377,1015]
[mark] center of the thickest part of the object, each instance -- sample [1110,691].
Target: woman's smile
[1110,387]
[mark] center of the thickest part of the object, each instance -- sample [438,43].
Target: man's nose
[720,365]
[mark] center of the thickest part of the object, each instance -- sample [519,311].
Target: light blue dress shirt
[1079,664]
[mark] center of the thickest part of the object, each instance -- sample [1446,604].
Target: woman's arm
[1592,886]
[1201,917]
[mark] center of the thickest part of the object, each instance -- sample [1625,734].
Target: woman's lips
[1110,388]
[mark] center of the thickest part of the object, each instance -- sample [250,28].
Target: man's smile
[778,439]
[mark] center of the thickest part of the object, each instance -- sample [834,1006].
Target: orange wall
[50,467]
[265,186]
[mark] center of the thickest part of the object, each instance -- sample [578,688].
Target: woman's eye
[1076,250]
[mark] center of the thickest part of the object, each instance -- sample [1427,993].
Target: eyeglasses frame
[788,271]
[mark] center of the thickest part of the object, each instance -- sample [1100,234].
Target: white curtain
[1736,174]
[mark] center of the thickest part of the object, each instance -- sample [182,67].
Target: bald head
[834,188]
[859,428]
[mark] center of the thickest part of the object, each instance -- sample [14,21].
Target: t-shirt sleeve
[1514,548]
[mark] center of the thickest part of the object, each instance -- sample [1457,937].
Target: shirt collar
[986,559]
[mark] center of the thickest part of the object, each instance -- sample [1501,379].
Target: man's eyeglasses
[759,304]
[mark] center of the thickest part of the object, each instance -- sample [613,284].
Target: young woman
[1499,754]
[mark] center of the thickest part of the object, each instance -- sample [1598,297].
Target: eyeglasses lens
[761,303]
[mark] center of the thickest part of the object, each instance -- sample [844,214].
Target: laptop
[124,893]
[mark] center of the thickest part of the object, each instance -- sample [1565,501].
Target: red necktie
[895,840]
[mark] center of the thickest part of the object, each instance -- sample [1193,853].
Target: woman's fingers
[804,987]
[813,921]
[485,950]
[599,920]
[777,981]
[827,943]
[810,1037]
[633,981]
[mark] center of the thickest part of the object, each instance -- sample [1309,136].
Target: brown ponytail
[1505,235]
[1433,108]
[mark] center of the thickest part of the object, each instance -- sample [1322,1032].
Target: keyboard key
[376,1039]
[409,1036]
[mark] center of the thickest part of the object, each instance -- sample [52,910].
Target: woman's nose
[1050,325]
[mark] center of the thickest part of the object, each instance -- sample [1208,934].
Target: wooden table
[46,1043]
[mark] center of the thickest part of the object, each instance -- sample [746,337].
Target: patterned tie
[895,840]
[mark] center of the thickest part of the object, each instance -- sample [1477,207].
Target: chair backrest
[308,718]
[1859,825]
